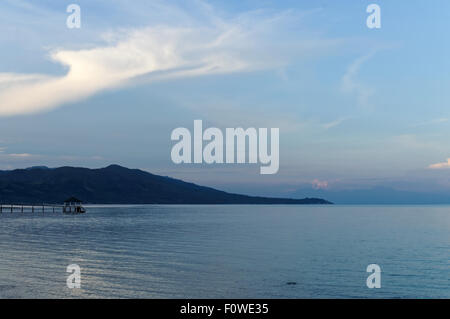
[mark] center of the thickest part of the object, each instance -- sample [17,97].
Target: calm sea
[157,251]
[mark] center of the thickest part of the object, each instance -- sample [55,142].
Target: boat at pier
[73,205]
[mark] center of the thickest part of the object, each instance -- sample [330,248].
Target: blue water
[228,252]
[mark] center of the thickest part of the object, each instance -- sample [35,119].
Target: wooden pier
[33,208]
[70,206]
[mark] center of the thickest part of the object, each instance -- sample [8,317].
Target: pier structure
[22,208]
[71,205]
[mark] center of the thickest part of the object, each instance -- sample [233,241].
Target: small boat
[73,205]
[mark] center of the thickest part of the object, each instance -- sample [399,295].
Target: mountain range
[116,185]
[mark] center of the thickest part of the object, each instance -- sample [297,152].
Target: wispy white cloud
[335,122]
[165,52]
[20,155]
[351,85]
[13,79]
[154,53]
[440,165]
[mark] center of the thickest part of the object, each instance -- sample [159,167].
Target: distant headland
[117,185]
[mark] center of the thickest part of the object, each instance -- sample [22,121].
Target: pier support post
[22,209]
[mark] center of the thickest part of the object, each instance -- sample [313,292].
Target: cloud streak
[165,52]
[350,84]
[335,123]
[440,165]
[153,53]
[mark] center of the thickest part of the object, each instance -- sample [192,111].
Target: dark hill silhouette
[116,185]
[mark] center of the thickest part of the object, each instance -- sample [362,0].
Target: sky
[356,107]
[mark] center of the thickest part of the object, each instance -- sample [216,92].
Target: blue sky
[356,107]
